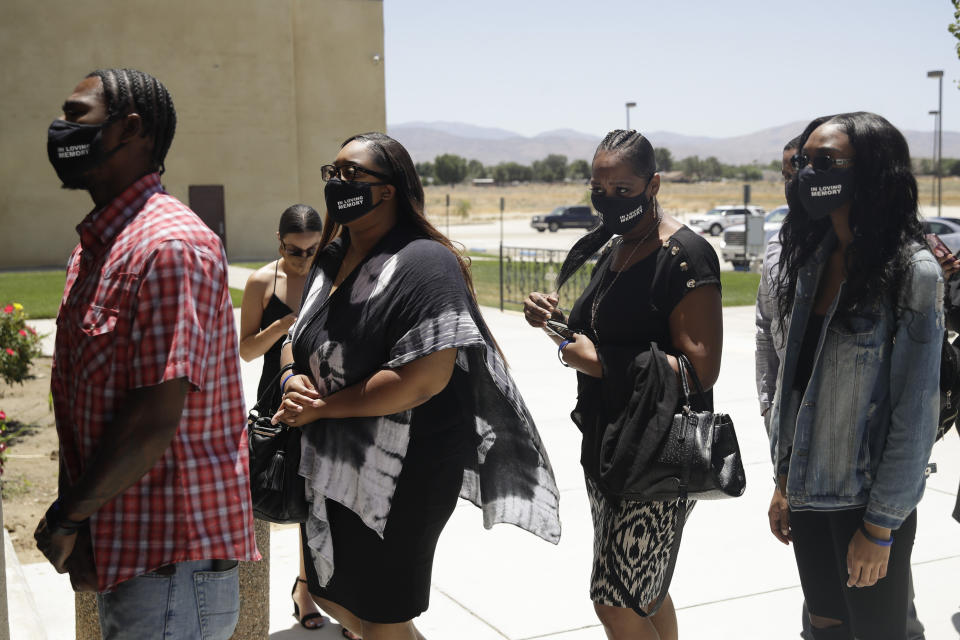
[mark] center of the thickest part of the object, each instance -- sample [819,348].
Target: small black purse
[276,489]
[699,456]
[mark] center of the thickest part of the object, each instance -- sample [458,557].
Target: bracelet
[288,367]
[560,352]
[284,383]
[876,541]
[58,525]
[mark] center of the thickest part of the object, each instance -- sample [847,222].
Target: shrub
[19,344]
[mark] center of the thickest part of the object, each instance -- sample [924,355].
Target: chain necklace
[601,292]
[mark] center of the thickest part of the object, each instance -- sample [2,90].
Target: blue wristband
[876,541]
[284,383]
[560,352]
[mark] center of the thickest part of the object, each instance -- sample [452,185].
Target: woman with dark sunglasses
[858,333]
[271,300]
[404,400]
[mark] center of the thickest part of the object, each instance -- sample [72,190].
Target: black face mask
[619,215]
[74,149]
[347,201]
[824,191]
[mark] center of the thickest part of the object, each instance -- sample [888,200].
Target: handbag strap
[686,369]
[266,391]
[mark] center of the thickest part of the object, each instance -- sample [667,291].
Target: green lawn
[739,288]
[39,291]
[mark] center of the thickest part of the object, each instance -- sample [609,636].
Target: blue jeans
[187,600]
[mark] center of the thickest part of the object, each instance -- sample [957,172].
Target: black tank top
[274,310]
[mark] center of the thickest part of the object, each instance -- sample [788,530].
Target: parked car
[947,228]
[566,217]
[732,246]
[718,219]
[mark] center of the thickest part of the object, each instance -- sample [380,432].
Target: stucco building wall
[265,90]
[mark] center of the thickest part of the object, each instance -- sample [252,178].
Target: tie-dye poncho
[408,299]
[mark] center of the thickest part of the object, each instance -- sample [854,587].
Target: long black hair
[128,90]
[392,157]
[634,149]
[299,218]
[883,216]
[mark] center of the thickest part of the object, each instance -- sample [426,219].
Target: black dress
[275,309]
[632,540]
[387,580]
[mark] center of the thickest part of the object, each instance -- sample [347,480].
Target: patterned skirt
[631,548]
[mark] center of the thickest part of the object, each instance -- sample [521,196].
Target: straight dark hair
[299,218]
[883,216]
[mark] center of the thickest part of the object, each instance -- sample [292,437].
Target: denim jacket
[862,432]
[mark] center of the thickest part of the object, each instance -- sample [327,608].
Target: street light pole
[939,76]
[629,106]
[933,187]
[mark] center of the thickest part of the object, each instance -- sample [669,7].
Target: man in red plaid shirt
[154,505]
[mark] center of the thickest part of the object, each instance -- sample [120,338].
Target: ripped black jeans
[820,541]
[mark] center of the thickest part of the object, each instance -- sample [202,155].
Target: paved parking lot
[485,237]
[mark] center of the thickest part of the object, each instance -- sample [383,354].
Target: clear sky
[698,67]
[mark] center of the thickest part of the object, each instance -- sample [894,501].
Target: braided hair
[635,149]
[131,91]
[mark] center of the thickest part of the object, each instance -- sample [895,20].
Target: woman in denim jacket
[858,332]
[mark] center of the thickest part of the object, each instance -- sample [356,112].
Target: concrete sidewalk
[733,579]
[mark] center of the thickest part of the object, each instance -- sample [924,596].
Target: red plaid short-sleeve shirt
[146,301]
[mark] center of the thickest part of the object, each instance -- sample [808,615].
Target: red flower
[11,352]
[3,416]
[32,330]
[8,308]
[3,447]
[23,333]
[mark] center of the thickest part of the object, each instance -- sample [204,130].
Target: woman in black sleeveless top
[271,301]
[656,282]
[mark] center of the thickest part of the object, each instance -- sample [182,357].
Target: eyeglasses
[823,162]
[297,252]
[348,172]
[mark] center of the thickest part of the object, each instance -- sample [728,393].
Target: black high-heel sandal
[309,616]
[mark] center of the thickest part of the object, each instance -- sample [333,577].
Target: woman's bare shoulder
[262,276]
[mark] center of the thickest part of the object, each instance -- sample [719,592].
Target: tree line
[925,166]
[451,169]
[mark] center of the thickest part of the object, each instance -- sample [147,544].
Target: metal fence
[525,269]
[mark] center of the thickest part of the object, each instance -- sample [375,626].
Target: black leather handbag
[699,456]
[949,385]
[276,488]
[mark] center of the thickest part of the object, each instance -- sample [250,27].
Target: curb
[24,614]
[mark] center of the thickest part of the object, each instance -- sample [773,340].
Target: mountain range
[426,140]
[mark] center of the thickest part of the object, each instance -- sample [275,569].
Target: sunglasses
[297,252]
[348,172]
[823,162]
